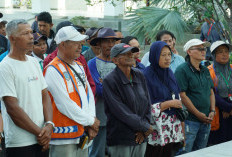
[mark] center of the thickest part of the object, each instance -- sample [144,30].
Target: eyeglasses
[199,49]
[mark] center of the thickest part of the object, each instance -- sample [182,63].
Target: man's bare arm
[47,106]
[19,117]
[45,134]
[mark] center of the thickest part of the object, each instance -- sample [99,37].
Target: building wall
[68,5]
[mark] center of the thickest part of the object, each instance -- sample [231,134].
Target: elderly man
[99,67]
[26,106]
[196,94]
[128,111]
[72,98]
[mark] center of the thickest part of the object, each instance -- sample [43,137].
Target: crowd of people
[77,92]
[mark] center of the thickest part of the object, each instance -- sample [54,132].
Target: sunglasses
[199,49]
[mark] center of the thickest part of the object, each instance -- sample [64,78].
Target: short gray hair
[12,26]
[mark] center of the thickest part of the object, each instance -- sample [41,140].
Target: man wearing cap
[93,51]
[99,67]
[72,98]
[196,94]
[81,59]
[127,105]
[26,106]
[39,48]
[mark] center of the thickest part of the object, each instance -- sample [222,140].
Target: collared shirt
[197,85]
[127,106]
[39,59]
[175,61]
[140,66]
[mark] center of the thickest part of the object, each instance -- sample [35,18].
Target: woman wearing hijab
[220,71]
[164,95]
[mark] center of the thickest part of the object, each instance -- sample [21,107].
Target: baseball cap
[38,36]
[121,49]
[69,33]
[195,42]
[216,44]
[63,24]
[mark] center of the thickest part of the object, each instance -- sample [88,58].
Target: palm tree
[173,15]
[146,22]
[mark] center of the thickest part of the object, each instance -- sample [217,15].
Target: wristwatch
[213,111]
[49,122]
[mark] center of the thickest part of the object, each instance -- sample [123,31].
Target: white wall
[40,5]
[6,3]
[110,10]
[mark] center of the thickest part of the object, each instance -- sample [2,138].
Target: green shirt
[197,86]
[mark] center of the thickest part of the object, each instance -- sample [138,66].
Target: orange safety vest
[215,123]
[66,128]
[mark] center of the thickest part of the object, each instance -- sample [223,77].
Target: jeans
[196,134]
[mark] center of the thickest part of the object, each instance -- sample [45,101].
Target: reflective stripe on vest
[66,128]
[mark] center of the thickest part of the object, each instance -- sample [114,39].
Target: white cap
[69,33]
[195,42]
[216,44]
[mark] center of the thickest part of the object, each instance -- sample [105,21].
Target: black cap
[121,49]
[63,24]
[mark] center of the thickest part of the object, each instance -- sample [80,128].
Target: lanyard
[41,64]
[74,82]
[227,83]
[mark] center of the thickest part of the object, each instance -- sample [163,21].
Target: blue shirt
[213,35]
[2,56]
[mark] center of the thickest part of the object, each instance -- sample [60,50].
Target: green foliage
[148,21]
[84,22]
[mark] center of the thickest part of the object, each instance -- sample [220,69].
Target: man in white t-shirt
[72,98]
[26,106]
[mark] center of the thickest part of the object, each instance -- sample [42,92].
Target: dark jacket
[127,106]
[4,44]
[53,45]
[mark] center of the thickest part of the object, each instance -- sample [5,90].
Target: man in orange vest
[72,98]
